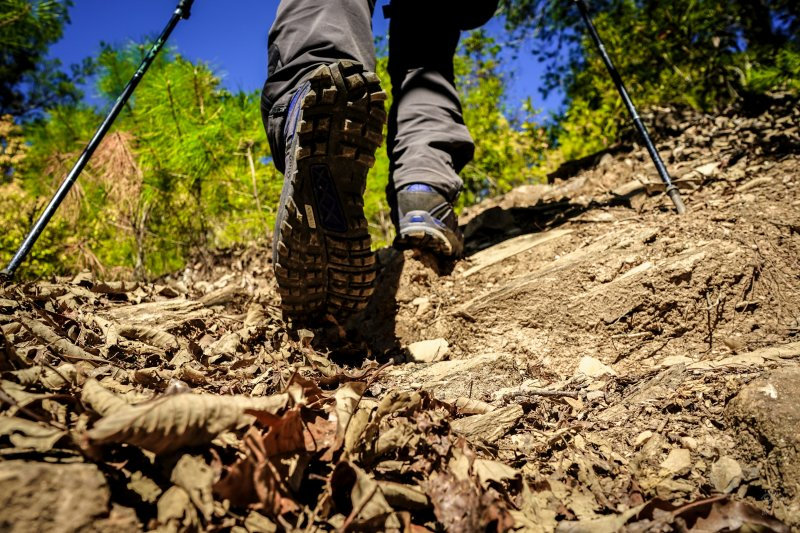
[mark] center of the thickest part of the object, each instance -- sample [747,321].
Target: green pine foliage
[783,74]
[185,168]
[376,207]
[507,153]
[702,53]
[187,165]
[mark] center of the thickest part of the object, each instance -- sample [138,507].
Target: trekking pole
[672,190]
[182,11]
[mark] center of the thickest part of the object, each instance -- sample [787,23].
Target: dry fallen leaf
[273,467]
[149,335]
[490,426]
[193,475]
[26,434]
[9,360]
[173,422]
[359,497]
[176,512]
[60,344]
[723,514]
[471,406]
[494,472]
[347,399]
[100,399]
[456,503]
[606,524]
[54,379]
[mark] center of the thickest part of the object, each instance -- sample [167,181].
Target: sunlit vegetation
[187,166]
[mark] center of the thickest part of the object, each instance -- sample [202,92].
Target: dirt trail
[597,363]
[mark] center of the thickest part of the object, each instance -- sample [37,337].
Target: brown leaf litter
[596,364]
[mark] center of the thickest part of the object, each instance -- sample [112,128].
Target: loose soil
[596,363]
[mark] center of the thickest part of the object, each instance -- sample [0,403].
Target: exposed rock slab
[51,497]
[766,418]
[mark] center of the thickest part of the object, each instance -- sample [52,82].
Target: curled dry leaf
[716,514]
[471,406]
[51,378]
[229,344]
[26,434]
[116,288]
[100,399]
[347,398]
[402,496]
[606,524]
[9,360]
[729,515]
[147,489]
[8,306]
[258,523]
[176,512]
[193,475]
[711,515]
[191,375]
[60,344]
[152,377]
[176,421]
[360,498]
[149,335]
[393,402]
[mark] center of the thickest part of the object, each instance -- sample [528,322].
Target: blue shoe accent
[419,187]
[293,112]
[426,220]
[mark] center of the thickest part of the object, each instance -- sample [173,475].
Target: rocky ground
[596,363]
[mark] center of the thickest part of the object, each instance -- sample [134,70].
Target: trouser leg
[428,141]
[306,34]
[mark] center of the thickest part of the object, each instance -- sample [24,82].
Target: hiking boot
[321,246]
[426,220]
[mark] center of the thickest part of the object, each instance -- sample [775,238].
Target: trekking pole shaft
[181,12]
[672,190]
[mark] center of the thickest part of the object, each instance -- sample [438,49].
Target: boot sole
[323,259]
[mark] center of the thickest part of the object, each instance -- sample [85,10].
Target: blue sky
[232,37]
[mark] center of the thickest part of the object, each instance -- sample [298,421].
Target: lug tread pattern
[324,262]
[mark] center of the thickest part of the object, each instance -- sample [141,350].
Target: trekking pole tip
[675,196]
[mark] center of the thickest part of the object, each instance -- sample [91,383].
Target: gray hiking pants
[428,141]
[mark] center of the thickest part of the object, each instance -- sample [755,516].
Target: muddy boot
[321,246]
[426,220]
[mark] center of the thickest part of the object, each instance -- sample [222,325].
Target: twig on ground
[516,396]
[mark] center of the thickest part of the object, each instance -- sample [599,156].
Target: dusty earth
[596,363]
